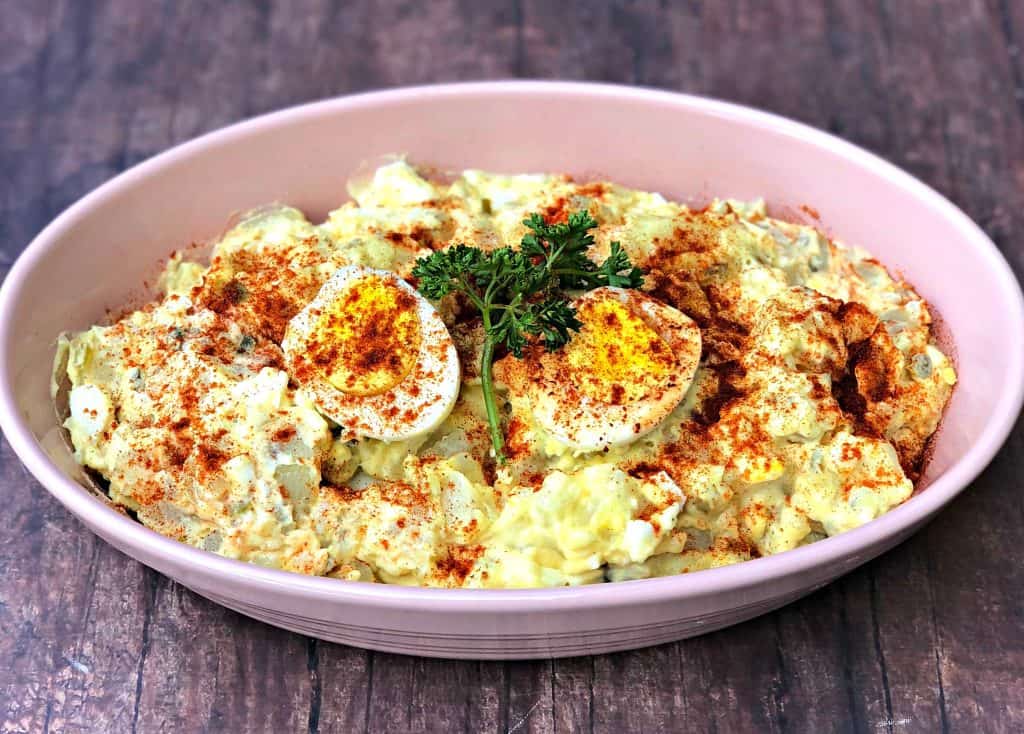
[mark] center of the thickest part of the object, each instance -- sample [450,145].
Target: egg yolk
[367,341]
[617,357]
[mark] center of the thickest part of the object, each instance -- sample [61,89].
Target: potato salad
[509,381]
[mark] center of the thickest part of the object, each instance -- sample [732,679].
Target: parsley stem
[490,402]
[588,275]
[470,293]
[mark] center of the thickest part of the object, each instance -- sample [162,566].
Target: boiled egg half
[628,367]
[374,355]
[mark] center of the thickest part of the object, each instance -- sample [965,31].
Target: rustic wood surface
[928,638]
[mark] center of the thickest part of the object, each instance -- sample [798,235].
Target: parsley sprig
[520,293]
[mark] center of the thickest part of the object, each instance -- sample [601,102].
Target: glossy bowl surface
[97,254]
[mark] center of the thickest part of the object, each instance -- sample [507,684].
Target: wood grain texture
[930,637]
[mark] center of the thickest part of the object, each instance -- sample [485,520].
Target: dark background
[927,638]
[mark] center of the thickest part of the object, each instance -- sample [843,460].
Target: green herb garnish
[520,294]
[247,344]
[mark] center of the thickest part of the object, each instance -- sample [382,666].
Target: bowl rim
[768,569]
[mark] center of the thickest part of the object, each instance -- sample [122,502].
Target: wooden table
[928,638]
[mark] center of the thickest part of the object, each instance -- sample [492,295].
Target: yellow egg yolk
[617,357]
[367,341]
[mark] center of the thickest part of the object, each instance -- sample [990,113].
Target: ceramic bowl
[99,253]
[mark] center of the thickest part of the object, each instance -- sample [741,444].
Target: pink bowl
[97,253]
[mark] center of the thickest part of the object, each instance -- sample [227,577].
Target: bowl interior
[99,255]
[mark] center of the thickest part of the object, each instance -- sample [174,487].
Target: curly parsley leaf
[520,293]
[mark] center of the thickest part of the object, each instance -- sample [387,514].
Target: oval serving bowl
[98,253]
